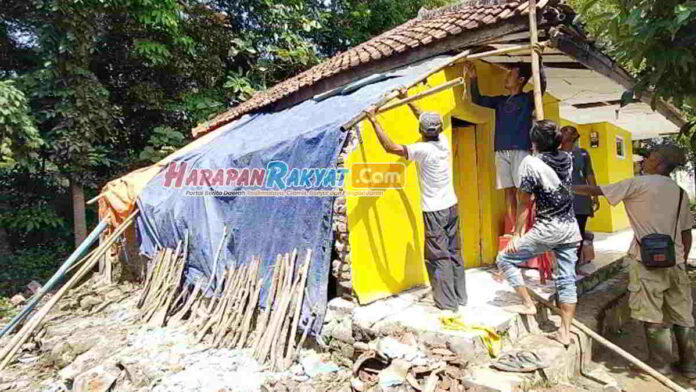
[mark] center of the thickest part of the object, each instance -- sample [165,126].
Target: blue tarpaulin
[307,135]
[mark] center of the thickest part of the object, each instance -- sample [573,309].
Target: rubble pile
[404,364]
[95,341]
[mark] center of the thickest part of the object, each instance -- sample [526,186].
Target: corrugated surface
[430,27]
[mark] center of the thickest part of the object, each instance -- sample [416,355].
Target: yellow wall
[386,233]
[608,168]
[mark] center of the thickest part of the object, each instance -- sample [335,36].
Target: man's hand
[512,246]
[469,69]
[371,113]
[595,203]
[403,93]
[539,48]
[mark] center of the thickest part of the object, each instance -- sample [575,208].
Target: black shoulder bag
[657,250]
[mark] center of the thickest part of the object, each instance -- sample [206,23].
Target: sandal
[521,362]
[556,337]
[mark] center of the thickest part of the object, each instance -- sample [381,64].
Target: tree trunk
[80,224]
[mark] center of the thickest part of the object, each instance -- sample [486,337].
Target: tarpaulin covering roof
[307,135]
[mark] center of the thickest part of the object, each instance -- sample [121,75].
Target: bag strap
[676,224]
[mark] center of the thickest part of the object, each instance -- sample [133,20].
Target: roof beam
[598,62]
[452,43]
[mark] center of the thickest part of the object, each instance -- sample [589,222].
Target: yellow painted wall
[386,233]
[608,168]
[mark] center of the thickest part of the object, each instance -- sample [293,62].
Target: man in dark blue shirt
[513,121]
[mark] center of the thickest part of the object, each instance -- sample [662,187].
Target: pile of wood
[230,313]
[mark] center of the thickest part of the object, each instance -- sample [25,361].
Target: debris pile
[387,363]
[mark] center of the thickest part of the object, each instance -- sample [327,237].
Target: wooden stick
[187,306]
[534,39]
[249,314]
[9,350]
[298,310]
[228,316]
[262,341]
[426,93]
[242,311]
[276,315]
[618,350]
[282,314]
[464,56]
[94,199]
[149,277]
[261,323]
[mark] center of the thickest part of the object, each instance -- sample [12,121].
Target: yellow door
[467,184]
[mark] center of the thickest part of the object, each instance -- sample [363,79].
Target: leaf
[686,128]
[588,5]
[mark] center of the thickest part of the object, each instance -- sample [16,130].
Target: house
[378,241]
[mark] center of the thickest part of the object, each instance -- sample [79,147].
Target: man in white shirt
[658,296]
[439,204]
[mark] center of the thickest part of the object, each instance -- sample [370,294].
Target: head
[664,159]
[545,136]
[517,77]
[569,134]
[430,125]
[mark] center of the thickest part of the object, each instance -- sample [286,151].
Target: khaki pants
[660,295]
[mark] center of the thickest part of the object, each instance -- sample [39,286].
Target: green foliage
[19,138]
[34,263]
[657,39]
[30,218]
[163,142]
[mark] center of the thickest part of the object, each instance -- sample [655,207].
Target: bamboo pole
[10,349]
[298,310]
[534,40]
[618,350]
[464,56]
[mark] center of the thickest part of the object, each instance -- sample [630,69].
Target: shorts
[507,167]
[661,295]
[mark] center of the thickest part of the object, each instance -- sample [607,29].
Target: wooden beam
[534,39]
[602,64]
[397,60]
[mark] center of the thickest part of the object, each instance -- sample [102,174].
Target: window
[620,148]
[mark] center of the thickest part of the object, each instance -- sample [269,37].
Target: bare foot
[522,309]
[564,340]
[498,276]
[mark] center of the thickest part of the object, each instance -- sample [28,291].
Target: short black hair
[545,136]
[525,70]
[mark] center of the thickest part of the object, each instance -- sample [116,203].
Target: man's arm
[588,190]
[524,201]
[591,180]
[476,96]
[403,94]
[542,76]
[384,140]
[687,240]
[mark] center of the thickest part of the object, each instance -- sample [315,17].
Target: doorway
[467,184]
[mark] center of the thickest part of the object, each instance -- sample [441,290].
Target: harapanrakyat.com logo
[279,179]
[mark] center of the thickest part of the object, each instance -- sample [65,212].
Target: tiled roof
[429,27]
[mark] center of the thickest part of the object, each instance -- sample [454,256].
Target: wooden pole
[534,40]
[611,346]
[464,56]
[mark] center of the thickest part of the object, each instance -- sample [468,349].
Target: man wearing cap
[439,204]
[658,297]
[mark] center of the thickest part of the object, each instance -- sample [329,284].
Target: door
[467,183]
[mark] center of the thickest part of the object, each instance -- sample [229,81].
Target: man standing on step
[513,121]
[548,176]
[658,297]
[439,204]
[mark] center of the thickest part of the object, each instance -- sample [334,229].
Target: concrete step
[414,310]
